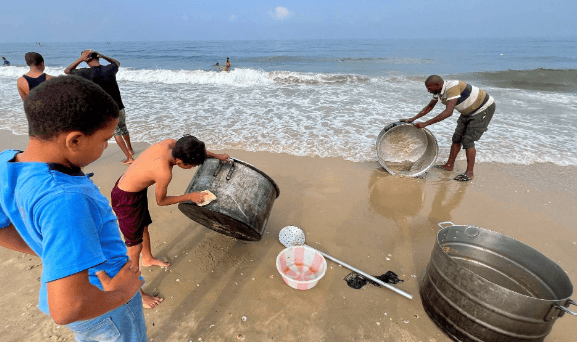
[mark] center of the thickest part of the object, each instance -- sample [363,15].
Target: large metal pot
[406,150]
[484,286]
[245,196]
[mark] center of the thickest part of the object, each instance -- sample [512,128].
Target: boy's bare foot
[154,262]
[149,302]
[127,161]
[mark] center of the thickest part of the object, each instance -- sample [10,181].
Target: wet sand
[355,212]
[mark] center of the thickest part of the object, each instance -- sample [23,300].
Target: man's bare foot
[127,161]
[131,153]
[444,167]
[154,262]
[148,301]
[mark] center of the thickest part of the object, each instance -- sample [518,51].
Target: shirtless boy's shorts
[121,126]
[131,209]
[471,128]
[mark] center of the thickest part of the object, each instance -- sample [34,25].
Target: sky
[146,20]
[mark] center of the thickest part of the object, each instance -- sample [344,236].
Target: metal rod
[389,286]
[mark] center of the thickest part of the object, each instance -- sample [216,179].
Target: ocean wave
[535,79]
[268,60]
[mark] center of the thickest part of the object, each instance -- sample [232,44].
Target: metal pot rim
[511,292]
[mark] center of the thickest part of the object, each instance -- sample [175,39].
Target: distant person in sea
[34,77]
[129,195]
[105,76]
[51,210]
[6,63]
[227,67]
[476,108]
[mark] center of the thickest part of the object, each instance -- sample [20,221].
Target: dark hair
[433,79]
[190,150]
[65,104]
[33,58]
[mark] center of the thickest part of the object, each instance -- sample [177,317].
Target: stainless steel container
[244,198]
[406,150]
[484,286]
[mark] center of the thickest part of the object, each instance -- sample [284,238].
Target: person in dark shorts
[129,195]
[34,77]
[476,108]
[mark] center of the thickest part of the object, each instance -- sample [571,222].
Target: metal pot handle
[231,169]
[564,309]
[446,222]
[217,169]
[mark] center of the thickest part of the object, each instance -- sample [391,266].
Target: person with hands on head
[105,76]
[476,108]
[129,195]
[51,209]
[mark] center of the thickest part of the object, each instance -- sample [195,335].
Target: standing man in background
[476,108]
[105,77]
[34,77]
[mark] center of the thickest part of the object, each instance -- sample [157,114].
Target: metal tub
[484,286]
[244,198]
[406,150]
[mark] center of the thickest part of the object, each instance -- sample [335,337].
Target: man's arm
[162,188]
[109,59]
[23,88]
[82,58]
[423,112]
[74,298]
[11,239]
[444,114]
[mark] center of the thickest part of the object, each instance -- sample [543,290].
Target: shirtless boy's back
[129,195]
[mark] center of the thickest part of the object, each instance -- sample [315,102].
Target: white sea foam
[316,114]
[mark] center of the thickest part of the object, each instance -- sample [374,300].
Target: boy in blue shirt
[50,208]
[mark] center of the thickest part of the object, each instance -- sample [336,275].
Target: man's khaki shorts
[471,128]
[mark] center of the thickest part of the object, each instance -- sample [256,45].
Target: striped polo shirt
[471,100]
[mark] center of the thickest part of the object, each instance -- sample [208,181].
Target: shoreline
[356,212]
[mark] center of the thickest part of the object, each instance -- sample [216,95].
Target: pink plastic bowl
[301,267]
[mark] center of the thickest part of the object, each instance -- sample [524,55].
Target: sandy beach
[356,212]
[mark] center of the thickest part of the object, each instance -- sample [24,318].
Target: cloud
[280,13]
[232,17]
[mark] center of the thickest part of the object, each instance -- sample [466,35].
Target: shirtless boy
[129,195]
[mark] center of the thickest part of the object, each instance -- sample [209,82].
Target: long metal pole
[389,286]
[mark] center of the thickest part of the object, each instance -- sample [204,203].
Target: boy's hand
[223,156]
[128,278]
[197,197]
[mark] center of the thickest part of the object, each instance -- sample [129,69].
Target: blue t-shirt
[64,219]
[6,63]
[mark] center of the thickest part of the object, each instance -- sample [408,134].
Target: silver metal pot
[244,198]
[406,150]
[484,286]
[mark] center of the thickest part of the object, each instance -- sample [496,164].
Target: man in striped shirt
[476,108]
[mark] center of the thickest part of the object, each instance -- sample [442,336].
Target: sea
[327,98]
